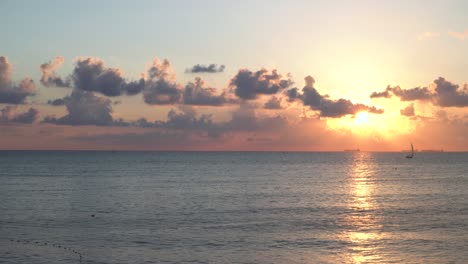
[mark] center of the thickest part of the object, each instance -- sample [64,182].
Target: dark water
[174,207]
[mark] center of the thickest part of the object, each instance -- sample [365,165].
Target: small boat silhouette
[410,156]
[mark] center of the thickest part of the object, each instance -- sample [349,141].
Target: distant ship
[352,150]
[431,150]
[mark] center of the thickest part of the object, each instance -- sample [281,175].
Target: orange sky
[302,76]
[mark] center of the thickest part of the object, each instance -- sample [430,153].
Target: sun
[361,118]
[369,125]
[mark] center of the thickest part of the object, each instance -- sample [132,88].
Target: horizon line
[253,151]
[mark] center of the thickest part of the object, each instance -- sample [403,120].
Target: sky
[218,75]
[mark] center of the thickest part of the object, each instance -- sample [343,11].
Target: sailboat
[410,156]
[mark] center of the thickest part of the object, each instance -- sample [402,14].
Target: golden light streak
[363,222]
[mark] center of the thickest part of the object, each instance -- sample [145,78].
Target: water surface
[233,207]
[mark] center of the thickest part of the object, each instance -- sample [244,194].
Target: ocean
[233,207]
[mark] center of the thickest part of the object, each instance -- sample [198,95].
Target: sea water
[233,207]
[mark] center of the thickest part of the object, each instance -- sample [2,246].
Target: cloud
[56,102]
[246,118]
[135,87]
[327,107]
[90,74]
[158,83]
[243,119]
[27,117]
[186,119]
[417,93]
[49,77]
[273,103]
[161,92]
[245,130]
[408,111]
[195,93]
[85,108]
[211,68]
[443,93]
[428,35]
[449,94]
[160,87]
[384,94]
[248,85]
[9,92]
[459,35]
[8,115]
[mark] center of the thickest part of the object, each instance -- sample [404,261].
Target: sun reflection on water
[363,223]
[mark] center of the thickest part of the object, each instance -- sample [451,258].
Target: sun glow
[361,118]
[364,124]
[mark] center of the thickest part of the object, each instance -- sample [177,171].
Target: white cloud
[459,35]
[428,35]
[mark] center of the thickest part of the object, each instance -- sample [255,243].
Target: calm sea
[233,207]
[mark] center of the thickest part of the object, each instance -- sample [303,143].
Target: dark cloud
[27,117]
[85,108]
[248,85]
[90,74]
[271,134]
[9,92]
[186,119]
[245,118]
[408,111]
[444,93]
[49,77]
[343,107]
[384,94]
[293,94]
[196,93]
[161,92]
[135,87]
[212,68]
[143,122]
[8,115]
[327,107]
[273,103]
[448,94]
[56,102]
[160,87]
[417,93]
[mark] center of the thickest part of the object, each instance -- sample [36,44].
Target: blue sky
[302,37]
